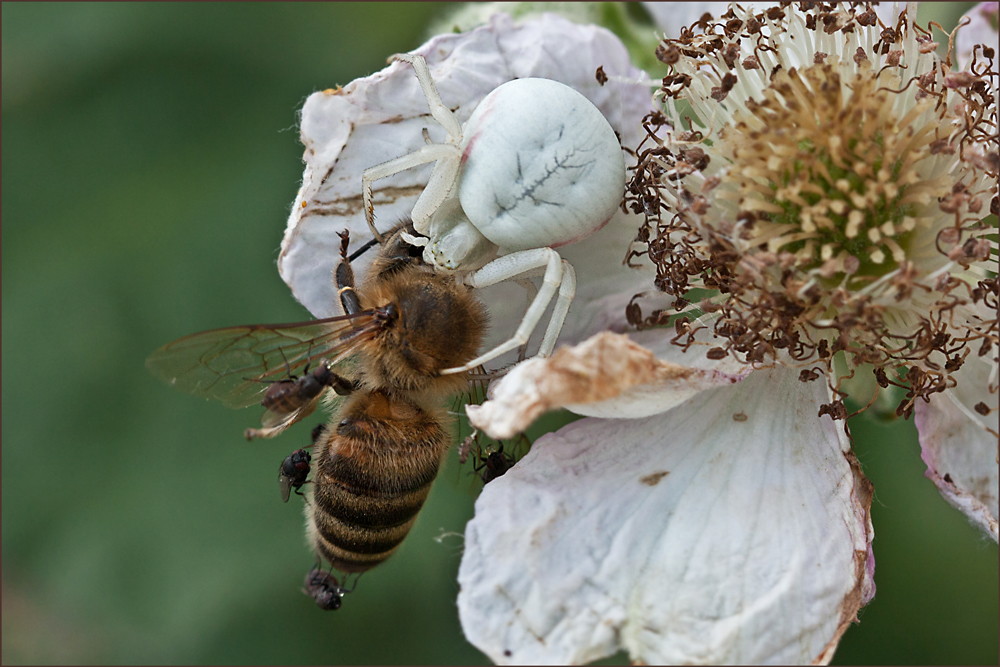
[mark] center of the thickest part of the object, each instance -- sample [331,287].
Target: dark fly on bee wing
[244,365]
[291,400]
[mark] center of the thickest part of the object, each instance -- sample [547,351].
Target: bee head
[432,324]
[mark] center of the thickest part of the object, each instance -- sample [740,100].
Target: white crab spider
[536,166]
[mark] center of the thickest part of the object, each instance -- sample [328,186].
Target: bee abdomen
[365,540]
[372,478]
[354,506]
[356,531]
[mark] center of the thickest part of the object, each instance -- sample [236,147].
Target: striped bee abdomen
[373,472]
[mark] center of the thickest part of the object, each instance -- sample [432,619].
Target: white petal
[960,453]
[697,536]
[607,375]
[380,117]
[982,29]
[672,16]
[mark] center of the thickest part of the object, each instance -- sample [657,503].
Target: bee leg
[345,242]
[344,278]
[363,249]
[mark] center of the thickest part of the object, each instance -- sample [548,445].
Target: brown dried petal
[605,367]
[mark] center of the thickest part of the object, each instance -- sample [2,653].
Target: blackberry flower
[818,194]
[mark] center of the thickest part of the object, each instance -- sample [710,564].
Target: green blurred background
[150,155]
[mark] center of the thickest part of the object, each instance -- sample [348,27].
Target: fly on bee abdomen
[373,473]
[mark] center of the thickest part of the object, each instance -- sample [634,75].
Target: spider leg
[425,154]
[515,265]
[567,290]
[531,291]
[443,180]
[439,111]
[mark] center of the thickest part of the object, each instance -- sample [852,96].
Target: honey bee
[376,460]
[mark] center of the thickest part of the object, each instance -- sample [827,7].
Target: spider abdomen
[542,167]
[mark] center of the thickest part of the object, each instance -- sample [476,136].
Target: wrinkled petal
[733,529]
[958,447]
[381,117]
[608,375]
[982,29]
[670,17]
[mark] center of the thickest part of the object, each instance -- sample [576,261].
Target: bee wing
[234,364]
[276,422]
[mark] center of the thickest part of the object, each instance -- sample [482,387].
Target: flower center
[826,210]
[828,177]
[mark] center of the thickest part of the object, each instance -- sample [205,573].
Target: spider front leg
[439,111]
[558,275]
[448,158]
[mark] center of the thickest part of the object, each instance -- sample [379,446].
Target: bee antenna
[363,249]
